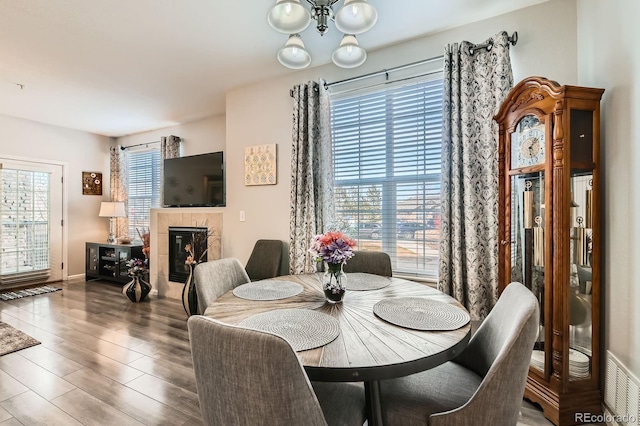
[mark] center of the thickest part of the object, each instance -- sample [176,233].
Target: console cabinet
[109,261]
[549,179]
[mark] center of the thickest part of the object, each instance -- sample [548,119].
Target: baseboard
[77,277]
[23,286]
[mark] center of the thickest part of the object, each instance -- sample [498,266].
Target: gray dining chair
[371,262]
[215,278]
[484,385]
[265,260]
[253,378]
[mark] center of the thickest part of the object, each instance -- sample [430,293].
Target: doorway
[31,228]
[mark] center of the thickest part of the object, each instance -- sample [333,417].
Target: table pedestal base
[374,409]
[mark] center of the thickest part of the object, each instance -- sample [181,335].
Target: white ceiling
[117,67]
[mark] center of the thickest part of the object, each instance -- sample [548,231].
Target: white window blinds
[144,187]
[386,157]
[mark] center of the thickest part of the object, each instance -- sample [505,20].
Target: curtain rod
[140,144]
[513,39]
[381,72]
[384,71]
[394,81]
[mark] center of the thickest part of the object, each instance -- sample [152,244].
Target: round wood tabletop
[368,348]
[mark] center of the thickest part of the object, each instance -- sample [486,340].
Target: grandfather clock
[549,180]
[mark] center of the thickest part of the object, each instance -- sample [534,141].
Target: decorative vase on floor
[189,295]
[137,289]
[334,282]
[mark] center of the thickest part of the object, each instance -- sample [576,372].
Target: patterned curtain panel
[311,175]
[118,185]
[169,148]
[475,86]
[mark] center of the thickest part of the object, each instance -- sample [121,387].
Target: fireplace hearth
[179,237]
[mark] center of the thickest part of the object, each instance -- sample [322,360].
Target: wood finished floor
[106,361]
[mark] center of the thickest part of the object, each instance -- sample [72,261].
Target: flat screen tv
[194,181]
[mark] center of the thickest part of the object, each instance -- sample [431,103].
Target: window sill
[431,282]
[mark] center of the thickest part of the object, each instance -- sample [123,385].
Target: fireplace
[179,237]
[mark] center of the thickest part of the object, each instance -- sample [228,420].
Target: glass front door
[30,222]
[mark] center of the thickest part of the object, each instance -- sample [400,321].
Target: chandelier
[290,17]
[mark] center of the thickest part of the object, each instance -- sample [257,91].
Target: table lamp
[112,209]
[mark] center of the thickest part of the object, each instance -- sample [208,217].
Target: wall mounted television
[195,181]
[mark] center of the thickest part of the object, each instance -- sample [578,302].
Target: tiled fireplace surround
[161,220]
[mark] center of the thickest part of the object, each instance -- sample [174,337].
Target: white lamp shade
[349,54]
[293,55]
[112,209]
[289,16]
[356,17]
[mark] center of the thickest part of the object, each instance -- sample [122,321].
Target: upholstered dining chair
[215,278]
[371,262]
[484,385]
[252,378]
[265,260]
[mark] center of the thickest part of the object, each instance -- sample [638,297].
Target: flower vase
[334,282]
[189,295]
[137,289]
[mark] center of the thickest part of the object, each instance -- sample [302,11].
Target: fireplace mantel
[161,220]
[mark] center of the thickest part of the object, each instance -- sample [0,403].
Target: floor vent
[621,393]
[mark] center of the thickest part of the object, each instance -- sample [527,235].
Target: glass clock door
[528,247]
[580,277]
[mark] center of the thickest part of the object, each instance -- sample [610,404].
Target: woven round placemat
[362,282]
[421,313]
[302,328]
[267,290]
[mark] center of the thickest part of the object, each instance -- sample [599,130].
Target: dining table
[366,348]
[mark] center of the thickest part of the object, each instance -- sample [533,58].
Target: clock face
[528,143]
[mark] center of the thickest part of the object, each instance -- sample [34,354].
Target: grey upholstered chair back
[371,262]
[249,378]
[500,352]
[215,278]
[265,260]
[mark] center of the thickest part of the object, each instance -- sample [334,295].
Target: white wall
[609,57]
[262,113]
[198,137]
[78,151]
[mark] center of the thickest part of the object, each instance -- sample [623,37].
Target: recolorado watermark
[605,418]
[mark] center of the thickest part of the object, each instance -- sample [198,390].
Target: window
[143,186]
[386,158]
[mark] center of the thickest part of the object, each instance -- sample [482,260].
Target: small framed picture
[91,183]
[260,164]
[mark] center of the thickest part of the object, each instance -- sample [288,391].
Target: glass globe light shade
[293,55]
[356,17]
[288,16]
[349,54]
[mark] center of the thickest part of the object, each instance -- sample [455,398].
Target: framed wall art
[260,165]
[91,183]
